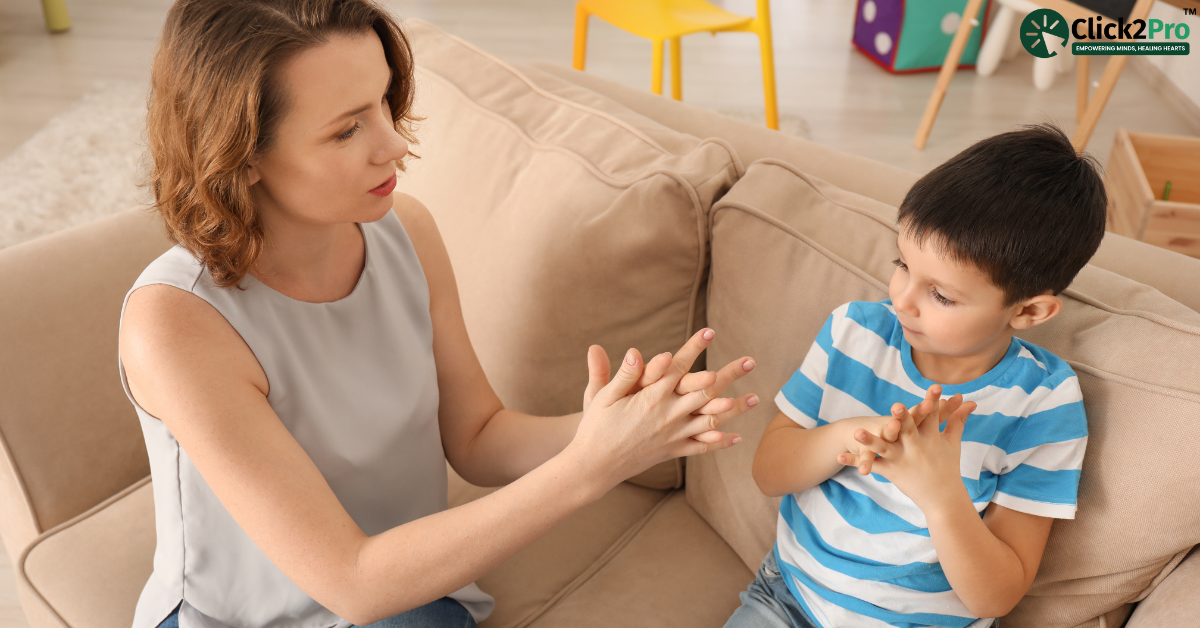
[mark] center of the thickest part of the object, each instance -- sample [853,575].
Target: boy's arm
[989,562]
[791,458]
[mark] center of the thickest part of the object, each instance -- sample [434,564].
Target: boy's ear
[1035,311]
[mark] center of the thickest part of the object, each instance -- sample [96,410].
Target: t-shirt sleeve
[1043,462]
[800,397]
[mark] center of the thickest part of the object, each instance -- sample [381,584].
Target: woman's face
[334,153]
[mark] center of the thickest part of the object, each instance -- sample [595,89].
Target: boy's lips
[909,329]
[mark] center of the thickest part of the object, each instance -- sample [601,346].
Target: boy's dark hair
[1021,206]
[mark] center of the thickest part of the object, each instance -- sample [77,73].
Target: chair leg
[581,28]
[768,68]
[676,69]
[656,69]
[1096,103]
[1083,78]
[947,73]
[57,17]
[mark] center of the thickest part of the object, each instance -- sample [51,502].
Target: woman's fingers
[623,381]
[695,381]
[598,372]
[655,368]
[681,364]
[693,447]
[728,374]
[724,408]
[711,436]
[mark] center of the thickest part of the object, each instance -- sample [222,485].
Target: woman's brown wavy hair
[215,101]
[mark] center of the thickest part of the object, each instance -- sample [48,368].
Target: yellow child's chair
[668,20]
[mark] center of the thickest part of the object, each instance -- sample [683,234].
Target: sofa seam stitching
[19,564]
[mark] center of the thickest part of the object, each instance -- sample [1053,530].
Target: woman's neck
[310,262]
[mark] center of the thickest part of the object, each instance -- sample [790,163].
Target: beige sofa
[577,211]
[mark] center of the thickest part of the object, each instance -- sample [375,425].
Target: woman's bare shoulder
[168,334]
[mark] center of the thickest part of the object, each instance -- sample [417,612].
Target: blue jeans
[443,613]
[768,603]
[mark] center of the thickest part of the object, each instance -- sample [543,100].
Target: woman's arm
[187,366]
[486,443]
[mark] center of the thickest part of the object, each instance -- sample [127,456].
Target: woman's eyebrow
[351,114]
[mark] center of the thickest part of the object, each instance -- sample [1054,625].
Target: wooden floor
[845,100]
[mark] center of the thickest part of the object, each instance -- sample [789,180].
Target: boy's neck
[960,369]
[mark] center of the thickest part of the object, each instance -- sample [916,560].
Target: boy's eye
[348,134]
[900,264]
[937,296]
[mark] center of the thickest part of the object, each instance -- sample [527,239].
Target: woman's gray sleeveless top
[355,384]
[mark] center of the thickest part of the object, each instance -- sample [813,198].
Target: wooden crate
[1138,170]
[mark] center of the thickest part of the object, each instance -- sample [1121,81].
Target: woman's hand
[623,432]
[657,366]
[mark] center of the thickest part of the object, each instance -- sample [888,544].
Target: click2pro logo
[1044,33]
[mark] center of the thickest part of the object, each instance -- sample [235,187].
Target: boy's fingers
[866,458]
[928,405]
[683,360]
[891,430]
[957,422]
[869,441]
[908,425]
[598,371]
[623,381]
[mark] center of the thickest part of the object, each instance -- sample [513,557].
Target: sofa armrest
[1174,601]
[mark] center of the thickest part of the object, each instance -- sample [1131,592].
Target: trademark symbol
[1189,11]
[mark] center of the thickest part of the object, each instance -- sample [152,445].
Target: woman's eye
[348,134]
[937,296]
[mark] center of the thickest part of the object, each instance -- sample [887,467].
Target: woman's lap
[443,613]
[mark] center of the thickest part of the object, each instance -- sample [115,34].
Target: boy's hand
[887,428]
[923,462]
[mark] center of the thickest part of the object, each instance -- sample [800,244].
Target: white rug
[84,164]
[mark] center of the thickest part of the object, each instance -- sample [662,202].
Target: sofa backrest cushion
[71,437]
[567,226]
[788,248]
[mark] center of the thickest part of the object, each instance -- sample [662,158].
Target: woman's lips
[386,187]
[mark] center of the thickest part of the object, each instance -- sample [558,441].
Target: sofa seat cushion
[674,571]
[552,567]
[788,248]
[89,571]
[566,225]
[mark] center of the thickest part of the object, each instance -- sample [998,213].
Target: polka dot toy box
[914,36]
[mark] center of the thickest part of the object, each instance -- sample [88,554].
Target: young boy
[943,528]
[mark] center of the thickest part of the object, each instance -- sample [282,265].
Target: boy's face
[947,308]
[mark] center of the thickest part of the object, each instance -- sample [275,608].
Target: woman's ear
[1035,311]
[252,174]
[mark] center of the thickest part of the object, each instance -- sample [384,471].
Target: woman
[299,361]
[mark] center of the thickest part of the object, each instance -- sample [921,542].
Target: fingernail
[737,439]
[860,437]
[752,401]
[748,365]
[708,334]
[629,359]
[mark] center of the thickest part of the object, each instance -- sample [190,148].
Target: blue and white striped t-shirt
[856,551]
